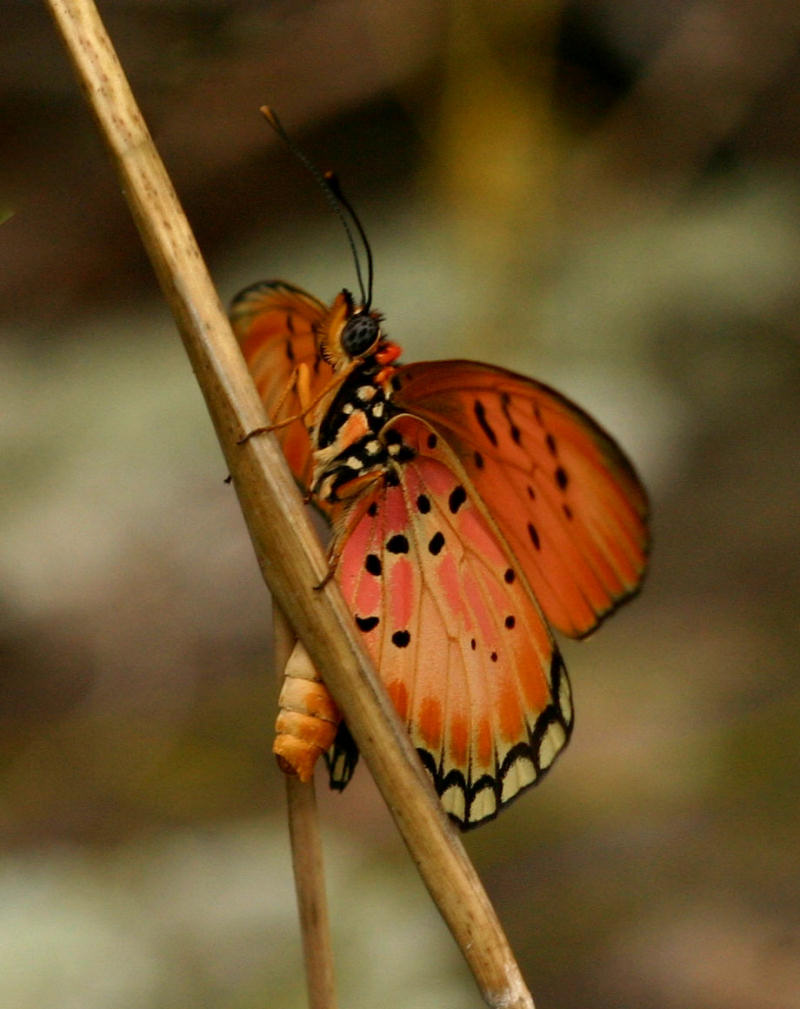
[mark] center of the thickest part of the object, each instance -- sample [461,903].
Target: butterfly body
[471,507]
[348,438]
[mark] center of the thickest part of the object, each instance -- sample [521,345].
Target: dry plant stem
[309,874]
[287,549]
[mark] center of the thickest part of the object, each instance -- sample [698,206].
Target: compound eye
[360,334]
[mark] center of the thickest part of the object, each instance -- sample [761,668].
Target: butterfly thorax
[346,429]
[350,446]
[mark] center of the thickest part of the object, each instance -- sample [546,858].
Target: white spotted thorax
[349,443]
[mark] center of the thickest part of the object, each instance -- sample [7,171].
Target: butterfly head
[361,333]
[351,333]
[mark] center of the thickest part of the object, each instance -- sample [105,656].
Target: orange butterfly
[471,507]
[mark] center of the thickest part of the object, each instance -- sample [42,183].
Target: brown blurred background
[603,195]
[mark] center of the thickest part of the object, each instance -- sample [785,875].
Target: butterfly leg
[299,383]
[321,585]
[308,717]
[334,553]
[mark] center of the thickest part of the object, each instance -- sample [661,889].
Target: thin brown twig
[307,863]
[286,546]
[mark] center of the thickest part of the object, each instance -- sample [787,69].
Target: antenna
[330,186]
[332,179]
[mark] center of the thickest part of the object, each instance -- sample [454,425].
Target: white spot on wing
[484,804]
[454,802]
[552,742]
[565,699]
[521,773]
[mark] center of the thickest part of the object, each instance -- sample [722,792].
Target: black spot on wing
[509,576]
[457,498]
[510,621]
[561,477]
[480,416]
[397,544]
[513,430]
[534,535]
[551,443]
[400,639]
[436,543]
[373,564]
[424,504]
[367,624]
[432,440]
[372,511]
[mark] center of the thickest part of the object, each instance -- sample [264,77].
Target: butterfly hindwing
[564,496]
[451,624]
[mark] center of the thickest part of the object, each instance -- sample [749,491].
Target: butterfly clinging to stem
[472,510]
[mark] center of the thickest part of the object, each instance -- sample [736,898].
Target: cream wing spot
[565,699]
[454,802]
[520,774]
[483,805]
[550,745]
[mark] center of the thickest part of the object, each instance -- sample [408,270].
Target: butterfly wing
[454,630]
[564,496]
[277,327]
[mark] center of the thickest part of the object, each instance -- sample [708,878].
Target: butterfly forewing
[277,327]
[451,624]
[562,493]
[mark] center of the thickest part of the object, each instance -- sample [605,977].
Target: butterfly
[472,510]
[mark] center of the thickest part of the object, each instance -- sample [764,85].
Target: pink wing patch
[450,622]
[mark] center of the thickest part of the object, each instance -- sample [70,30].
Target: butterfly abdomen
[308,717]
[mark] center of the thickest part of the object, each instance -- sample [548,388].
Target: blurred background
[603,195]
